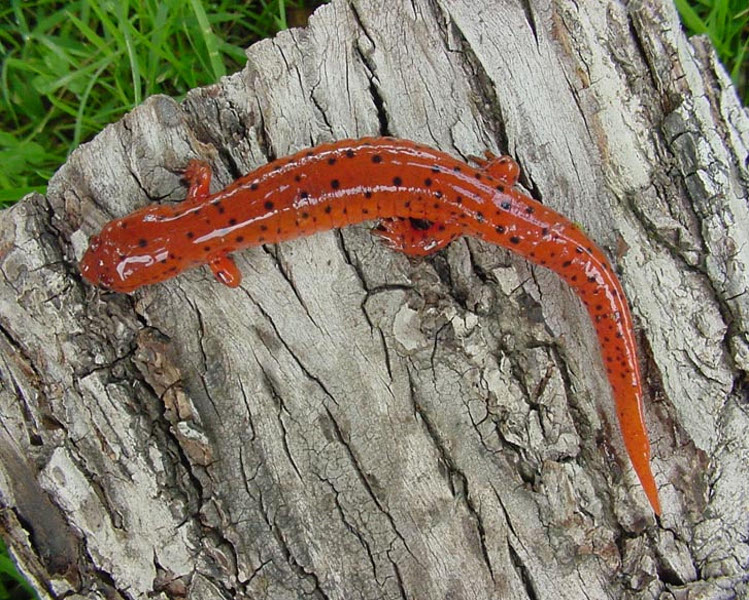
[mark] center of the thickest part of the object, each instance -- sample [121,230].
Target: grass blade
[209,39]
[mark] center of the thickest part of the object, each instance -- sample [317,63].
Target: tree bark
[352,423]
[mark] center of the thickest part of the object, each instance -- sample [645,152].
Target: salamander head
[123,257]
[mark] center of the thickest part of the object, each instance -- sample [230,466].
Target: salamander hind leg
[225,270]
[503,168]
[416,237]
[198,176]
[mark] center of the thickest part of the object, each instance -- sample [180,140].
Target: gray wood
[351,423]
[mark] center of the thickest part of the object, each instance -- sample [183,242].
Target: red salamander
[423,200]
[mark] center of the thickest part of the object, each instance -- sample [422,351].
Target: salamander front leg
[225,270]
[198,176]
[416,237]
[503,168]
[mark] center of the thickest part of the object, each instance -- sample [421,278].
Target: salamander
[423,200]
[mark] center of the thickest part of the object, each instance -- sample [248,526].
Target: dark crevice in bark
[364,54]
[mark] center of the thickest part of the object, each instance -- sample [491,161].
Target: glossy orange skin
[422,198]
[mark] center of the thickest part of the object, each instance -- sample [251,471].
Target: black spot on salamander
[269,205]
[567,263]
[573,278]
[297,177]
[436,205]
[529,210]
[332,160]
[239,239]
[304,215]
[190,235]
[478,175]
[506,204]
[365,211]
[335,184]
[592,279]
[142,242]
[253,186]
[303,194]
[263,228]
[207,248]
[420,224]
[441,227]
[515,239]
[500,188]
[377,159]
[499,229]
[397,181]
[328,209]
[368,194]
[232,221]
[350,153]
[438,194]
[459,200]
[480,217]
[428,182]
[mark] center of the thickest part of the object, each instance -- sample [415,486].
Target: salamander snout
[128,253]
[92,265]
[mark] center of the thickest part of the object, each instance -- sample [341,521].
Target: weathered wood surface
[355,424]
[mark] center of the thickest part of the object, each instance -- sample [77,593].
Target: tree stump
[353,423]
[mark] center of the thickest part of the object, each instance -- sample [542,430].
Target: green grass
[70,68]
[726,22]
[12,584]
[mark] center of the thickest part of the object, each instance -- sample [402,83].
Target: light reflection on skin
[124,269]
